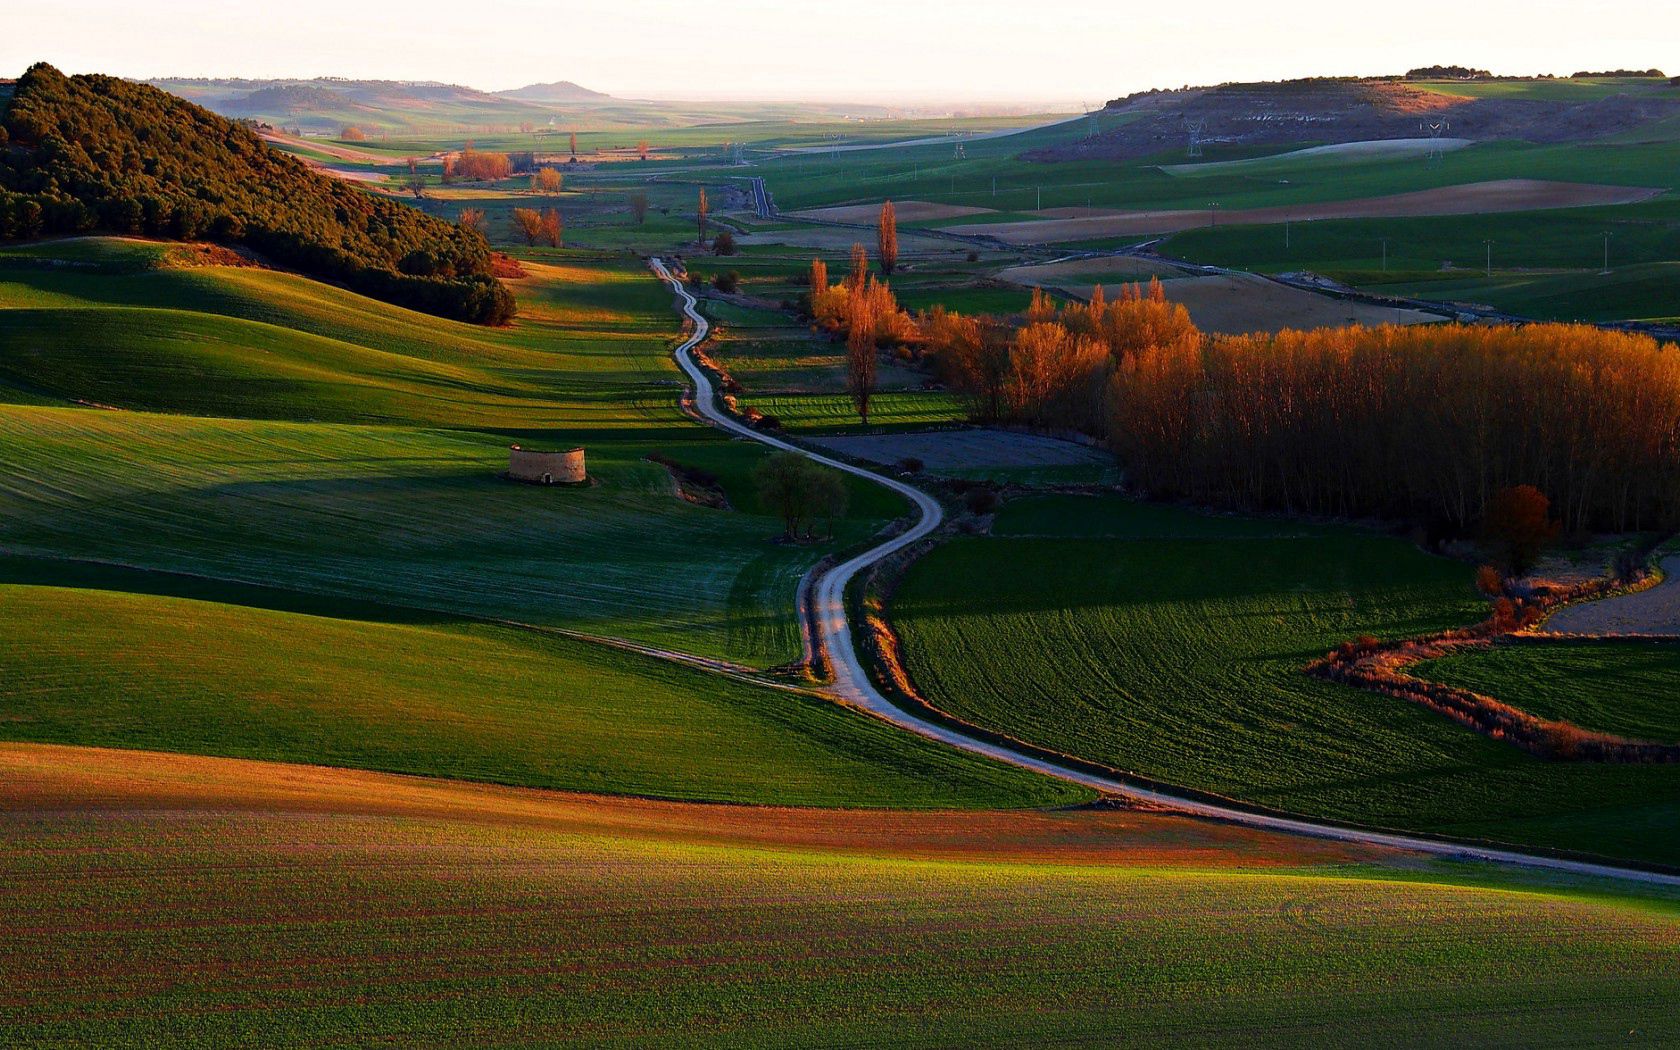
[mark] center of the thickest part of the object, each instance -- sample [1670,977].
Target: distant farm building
[547,468]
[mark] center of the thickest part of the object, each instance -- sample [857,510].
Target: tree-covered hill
[100,153]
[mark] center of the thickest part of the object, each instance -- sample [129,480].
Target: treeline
[1422,423]
[86,153]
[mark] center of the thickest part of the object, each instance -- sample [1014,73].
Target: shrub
[727,282]
[981,501]
[723,243]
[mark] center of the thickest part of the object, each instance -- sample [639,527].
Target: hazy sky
[865,50]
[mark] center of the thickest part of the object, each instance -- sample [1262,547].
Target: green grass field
[1171,645]
[282,432]
[1629,688]
[1643,292]
[434,695]
[490,920]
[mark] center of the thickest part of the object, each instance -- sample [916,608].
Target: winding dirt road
[852,684]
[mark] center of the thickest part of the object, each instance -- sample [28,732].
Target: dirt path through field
[852,683]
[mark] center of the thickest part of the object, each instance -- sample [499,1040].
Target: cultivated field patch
[1477,198]
[906,211]
[1236,303]
[967,449]
[406,910]
[1651,613]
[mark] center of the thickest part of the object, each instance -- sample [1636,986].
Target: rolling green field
[1174,648]
[1643,292]
[282,432]
[1629,688]
[439,696]
[408,912]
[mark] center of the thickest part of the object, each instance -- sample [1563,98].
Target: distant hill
[324,105]
[558,92]
[90,153]
[1327,111]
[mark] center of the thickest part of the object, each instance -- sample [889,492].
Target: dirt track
[1476,198]
[906,211]
[826,608]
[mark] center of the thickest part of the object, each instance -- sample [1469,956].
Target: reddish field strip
[40,778]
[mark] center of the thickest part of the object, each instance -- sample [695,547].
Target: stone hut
[547,468]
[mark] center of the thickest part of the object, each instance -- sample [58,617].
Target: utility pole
[1040,198]
[1489,244]
[994,185]
[1606,269]
[1385,254]
[1213,214]
[1286,233]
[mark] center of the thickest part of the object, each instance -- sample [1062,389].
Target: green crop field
[1171,645]
[1643,292]
[435,695]
[1629,688]
[492,919]
[282,432]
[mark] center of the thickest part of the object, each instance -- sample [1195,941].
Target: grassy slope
[422,912]
[447,698]
[409,510]
[1172,647]
[1628,688]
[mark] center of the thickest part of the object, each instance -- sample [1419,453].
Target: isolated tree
[1518,523]
[642,149]
[799,491]
[886,235]
[860,357]
[819,278]
[638,206]
[703,212]
[723,243]
[472,219]
[528,223]
[546,180]
[351,133]
[553,227]
[415,182]
[574,145]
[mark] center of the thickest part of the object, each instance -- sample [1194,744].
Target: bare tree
[638,206]
[704,213]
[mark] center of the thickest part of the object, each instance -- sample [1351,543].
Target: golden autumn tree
[819,278]
[546,180]
[642,149]
[553,227]
[860,268]
[886,238]
[860,355]
[702,213]
[528,223]
[574,145]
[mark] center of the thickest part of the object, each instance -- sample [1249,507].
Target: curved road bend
[853,684]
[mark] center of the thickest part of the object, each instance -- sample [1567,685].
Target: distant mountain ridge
[327,104]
